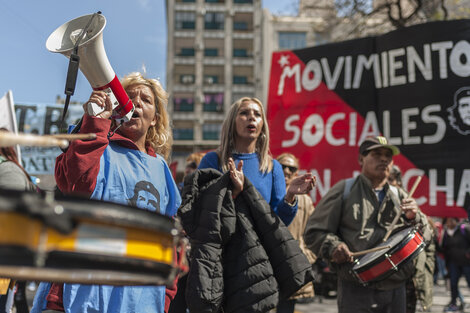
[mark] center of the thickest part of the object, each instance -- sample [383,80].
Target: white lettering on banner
[385,68]
[448,187]
[289,72]
[290,128]
[329,129]
[414,61]
[324,184]
[315,127]
[429,119]
[311,77]
[408,125]
[42,119]
[464,188]
[310,138]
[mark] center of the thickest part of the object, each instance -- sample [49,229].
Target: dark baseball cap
[371,143]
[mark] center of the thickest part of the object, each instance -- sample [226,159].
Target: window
[187,79]
[186,52]
[240,80]
[185,20]
[214,20]
[240,25]
[240,53]
[211,131]
[183,134]
[292,40]
[211,79]
[183,104]
[213,102]
[211,52]
[242,1]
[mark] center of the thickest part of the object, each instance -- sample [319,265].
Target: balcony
[213,102]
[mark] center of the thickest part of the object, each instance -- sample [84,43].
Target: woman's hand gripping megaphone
[95,109]
[100,104]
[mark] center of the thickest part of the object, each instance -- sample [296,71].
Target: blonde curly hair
[159,137]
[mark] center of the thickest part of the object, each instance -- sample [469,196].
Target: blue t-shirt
[271,185]
[126,176]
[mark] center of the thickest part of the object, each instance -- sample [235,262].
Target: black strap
[72,71]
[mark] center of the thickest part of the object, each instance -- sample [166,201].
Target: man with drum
[356,215]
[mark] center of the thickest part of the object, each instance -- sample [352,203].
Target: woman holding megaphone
[111,168]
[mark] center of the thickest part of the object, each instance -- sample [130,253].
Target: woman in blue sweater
[244,151]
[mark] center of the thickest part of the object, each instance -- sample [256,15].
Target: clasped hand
[237,177]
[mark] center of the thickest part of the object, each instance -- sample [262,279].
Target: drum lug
[395,268]
[359,279]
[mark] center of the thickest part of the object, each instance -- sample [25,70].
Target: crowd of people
[253,228]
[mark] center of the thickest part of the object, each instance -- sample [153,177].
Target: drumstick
[10,139]
[358,253]
[395,220]
[75,136]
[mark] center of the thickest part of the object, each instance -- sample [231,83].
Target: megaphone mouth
[64,38]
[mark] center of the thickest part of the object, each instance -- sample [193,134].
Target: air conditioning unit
[209,80]
[187,79]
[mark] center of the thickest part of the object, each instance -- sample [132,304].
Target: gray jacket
[360,222]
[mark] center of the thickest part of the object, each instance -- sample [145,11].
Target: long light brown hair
[229,134]
[159,136]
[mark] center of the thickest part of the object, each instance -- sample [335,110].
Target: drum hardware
[394,267]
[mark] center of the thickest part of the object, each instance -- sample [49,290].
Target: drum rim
[61,213]
[392,250]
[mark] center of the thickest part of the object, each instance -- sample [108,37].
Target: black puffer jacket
[241,252]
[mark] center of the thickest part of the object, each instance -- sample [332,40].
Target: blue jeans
[455,272]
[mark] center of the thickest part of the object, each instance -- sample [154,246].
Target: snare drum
[78,240]
[378,265]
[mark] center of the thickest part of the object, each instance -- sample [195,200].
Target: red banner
[323,101]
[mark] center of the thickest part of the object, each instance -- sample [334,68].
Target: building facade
[219,51]
[214,56]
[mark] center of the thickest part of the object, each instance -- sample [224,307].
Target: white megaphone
[93,63]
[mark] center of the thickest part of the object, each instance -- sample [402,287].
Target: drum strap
[347,187]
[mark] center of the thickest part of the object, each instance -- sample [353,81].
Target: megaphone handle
[94,109]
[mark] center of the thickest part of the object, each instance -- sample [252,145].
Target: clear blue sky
[135,35]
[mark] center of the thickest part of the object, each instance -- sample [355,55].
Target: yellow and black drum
[85,241]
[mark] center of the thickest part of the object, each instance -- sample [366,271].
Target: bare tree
[347,19]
